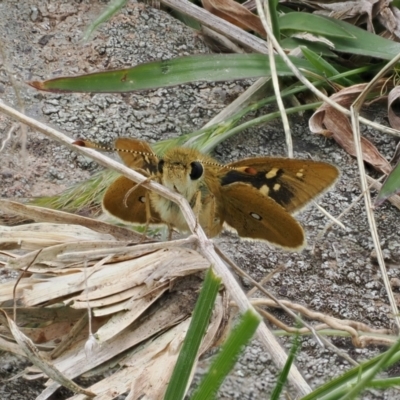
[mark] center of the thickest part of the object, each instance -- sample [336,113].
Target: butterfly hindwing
[126,201]
[292,183]
[261,218]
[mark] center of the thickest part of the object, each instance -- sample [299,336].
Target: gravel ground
[336,274]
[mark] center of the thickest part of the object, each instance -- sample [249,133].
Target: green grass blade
[285,372]
[369,375]
[390,187]
[156,74]
[227,356]
[338,387]
[311,23]
[188,354]
[354,41]
[273,4]
[365,43]
[325,68]
[111,9]
[385,383]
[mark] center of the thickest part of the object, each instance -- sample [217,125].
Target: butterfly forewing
[137,154]
[292,183]
[261,218]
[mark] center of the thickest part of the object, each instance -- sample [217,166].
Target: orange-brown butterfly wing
[137,154]
[129,207]
[292,183]
[256,216]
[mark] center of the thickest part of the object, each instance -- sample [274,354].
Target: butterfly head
[182,171]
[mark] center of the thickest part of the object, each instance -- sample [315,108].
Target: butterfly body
[255,196]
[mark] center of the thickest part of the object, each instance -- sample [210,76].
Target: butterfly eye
[197,170]
[160,166]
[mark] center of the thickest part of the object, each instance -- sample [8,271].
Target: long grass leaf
[340,385]
[226,358]
[273,4]
[187,356]
[316,24]
[369,375]
[285,372]
[325,68]
[354,41]
[177,71]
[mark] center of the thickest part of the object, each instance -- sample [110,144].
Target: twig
[361,334]
[266,292]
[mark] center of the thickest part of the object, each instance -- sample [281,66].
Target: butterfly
[254,196]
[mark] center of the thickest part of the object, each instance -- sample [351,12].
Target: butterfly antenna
[92,145]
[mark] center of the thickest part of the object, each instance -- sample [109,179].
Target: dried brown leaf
[394,95]
[332,123]
[236,14]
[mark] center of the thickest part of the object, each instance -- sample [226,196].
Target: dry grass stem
[329,215]
[222,39]
[320,339]
[265,16]
[265,280]
[240,36]
[350,207]
[355,109]
[361,334]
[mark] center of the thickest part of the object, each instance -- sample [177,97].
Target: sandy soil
[336,274]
